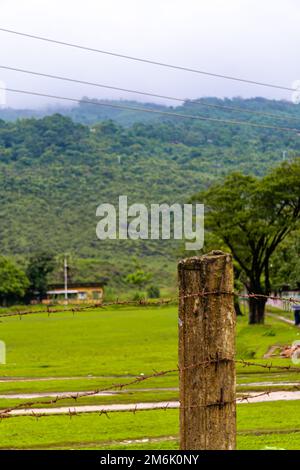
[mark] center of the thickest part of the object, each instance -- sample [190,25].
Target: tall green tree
[13,282]
[253,217]
[39,267]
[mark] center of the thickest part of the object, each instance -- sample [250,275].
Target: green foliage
[139,278]
[285,263]
[253,217]
[39,267]
[138,296]
[55,171]
[153,292]
[13,282]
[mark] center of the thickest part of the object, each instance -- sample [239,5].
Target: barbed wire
[268,366]
[24,406]
[118,386]
[78,395]
[49,308]
[142,302]
[144,406]
[8,412]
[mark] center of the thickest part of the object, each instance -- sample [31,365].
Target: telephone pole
[66,278]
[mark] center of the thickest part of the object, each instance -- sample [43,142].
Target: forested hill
[54,172]
[90,113]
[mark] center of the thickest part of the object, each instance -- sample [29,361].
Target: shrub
[138,296]
[153,292]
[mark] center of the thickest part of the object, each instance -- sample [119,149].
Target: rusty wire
[6,413]
[168,406]
[142,302]
[119,386]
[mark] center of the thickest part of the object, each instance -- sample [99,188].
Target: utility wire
[154,111]
[148,61]
[172,98]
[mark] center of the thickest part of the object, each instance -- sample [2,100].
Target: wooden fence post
[206,353]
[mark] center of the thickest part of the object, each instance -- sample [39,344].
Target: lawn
[259,425]
[95,349]
[112,341]
[115,341]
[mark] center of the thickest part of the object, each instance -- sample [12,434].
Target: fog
[245,38]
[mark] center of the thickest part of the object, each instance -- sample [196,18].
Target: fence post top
[196,261]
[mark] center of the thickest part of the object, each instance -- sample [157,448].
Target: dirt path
[281,318]
[95,408]
[272,396]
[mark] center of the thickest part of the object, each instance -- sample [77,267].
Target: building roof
[61,291]
[77,285]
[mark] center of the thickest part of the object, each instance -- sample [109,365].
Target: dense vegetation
[55,171]
[253,217]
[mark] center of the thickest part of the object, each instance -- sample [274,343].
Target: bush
[110,294]
[153,292]
[138,296]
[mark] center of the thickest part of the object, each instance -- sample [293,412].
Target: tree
[285,263]
[252,217]
[13,282]
[39,267]
[139,278]
[237,273]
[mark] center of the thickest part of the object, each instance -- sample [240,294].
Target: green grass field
[111,341]
[259,425]
[95,349]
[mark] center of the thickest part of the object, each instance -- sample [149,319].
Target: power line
[148,61]
[154,111]
[154,95]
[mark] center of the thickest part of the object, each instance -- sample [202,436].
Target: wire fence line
[24,406]
[134,408]
[76,396]
[49,309]
[9,412]
[118,386]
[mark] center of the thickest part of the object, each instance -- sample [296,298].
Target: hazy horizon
[60,104]
[245,39]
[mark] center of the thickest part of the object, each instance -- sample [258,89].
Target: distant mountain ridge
[90,113]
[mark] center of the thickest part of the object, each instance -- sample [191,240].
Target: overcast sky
[254,39]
